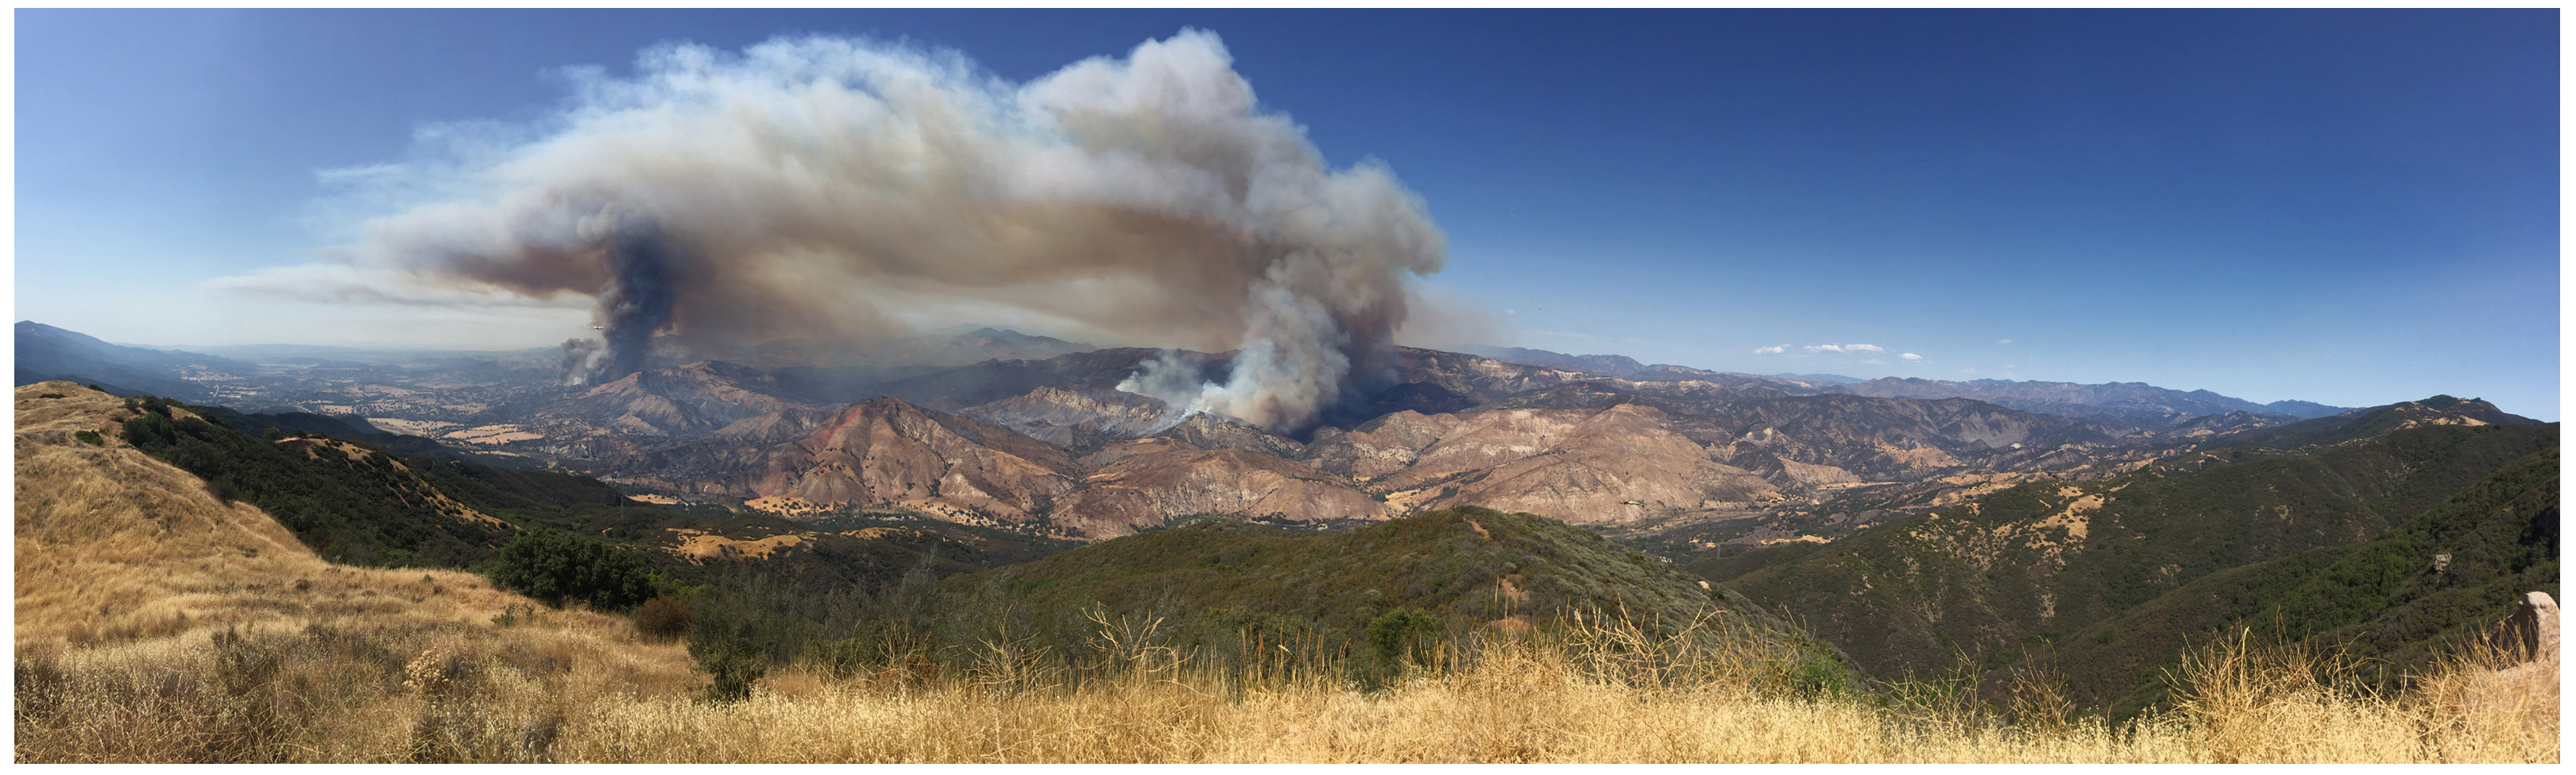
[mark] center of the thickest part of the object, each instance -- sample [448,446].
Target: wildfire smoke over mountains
[820,187]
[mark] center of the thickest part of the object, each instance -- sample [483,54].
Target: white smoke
[826,187]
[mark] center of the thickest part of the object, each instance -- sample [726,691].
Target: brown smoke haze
[818,187]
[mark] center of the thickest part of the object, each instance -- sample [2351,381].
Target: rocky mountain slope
[1080,421]
[689,400]
[888,453]
[1081,458]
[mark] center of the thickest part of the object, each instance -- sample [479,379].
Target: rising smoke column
[823,187]
[634,304]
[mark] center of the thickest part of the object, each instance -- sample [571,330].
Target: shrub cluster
[663,618]
[555,566]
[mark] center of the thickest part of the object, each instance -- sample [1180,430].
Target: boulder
[2532,631]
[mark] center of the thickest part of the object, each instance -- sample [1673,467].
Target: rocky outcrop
[1379,447]
[2531,633]
[1208,431]
[2528,692]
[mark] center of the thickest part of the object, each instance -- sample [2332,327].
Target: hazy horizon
[550,349]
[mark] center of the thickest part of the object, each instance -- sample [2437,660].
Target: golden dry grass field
[158,624]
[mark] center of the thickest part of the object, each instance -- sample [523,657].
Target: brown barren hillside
[129,571]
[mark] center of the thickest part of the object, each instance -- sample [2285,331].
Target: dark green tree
[555,566]
[1404,635]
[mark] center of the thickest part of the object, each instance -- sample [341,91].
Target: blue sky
[2351,207]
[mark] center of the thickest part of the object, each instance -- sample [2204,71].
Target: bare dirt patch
[700,546]
[495,434]
[422,428]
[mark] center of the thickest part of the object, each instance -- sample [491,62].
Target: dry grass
[442,695]
[1595,696]
[113,545]
[2271,702]
[155,624]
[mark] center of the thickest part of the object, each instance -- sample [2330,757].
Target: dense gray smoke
[826,187]
[636,302]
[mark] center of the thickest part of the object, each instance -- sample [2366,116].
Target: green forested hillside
[1238,593]
[2399,601]
[1233,591]
[1468,566]
[362,508]
[1984,584]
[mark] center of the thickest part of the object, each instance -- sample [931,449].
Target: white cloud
[1772,350]
[2003,341]
[1844,348]
[1910,357]
[359,174]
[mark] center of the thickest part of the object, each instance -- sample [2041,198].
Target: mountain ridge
[2137,402]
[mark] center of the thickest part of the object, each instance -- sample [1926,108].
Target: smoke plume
[828,187]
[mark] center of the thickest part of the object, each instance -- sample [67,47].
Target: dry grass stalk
[458,694]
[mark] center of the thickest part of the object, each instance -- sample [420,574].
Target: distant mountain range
[1605,365]
[46,352]
[2132,403]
